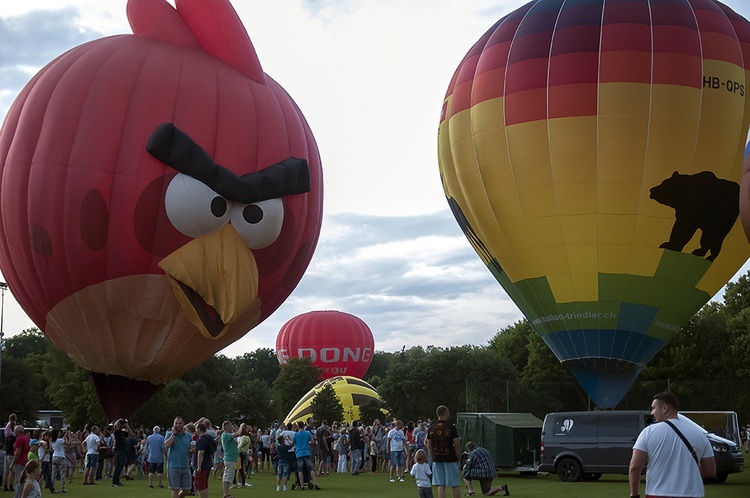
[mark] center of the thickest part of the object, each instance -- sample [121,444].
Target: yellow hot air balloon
[591,152]
[352,393]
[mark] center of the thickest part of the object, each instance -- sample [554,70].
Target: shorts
[229,468]
[179,478]
[284,469]
[201,479]
[397,458]
[445,474]
[156,467]
[9,468]
[424,492]
[92,460]
[304,463]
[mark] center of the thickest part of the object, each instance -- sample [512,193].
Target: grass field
[364,485]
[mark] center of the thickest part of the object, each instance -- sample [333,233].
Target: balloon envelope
[352,393]
[591,152]
[140,264]
[337,343]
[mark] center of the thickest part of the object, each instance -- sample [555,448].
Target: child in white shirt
[422,473]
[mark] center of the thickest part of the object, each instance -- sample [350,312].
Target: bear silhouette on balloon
[701,201]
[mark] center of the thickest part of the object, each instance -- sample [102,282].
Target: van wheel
[569,470]
[720,477]
[591,476]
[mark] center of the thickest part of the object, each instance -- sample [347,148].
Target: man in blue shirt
[155,444]
[301,442]
[177,443]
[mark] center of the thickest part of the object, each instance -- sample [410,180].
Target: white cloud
[370,76]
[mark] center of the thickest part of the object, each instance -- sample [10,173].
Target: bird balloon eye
[218,206]
[193,208]
[259,223]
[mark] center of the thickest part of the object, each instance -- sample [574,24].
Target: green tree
[511,343]
[30,341]
[215,375]
[69,389]
[326,405]
[372,409]
[381,360]
[409,386]
[260,364]
[250,402]
[297,376]
[192,396]
[21,390]
[546,384]
[490,381]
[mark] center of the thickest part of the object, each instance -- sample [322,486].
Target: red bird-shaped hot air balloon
[161,196]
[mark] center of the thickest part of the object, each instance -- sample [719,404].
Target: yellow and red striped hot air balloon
[591,151]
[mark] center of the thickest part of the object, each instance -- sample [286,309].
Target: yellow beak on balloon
[214,278]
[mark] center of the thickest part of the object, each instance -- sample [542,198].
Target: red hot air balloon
[337,343]
[161,196]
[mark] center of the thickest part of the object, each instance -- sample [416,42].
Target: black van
[585,445]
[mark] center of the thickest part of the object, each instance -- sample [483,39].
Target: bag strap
[684,440]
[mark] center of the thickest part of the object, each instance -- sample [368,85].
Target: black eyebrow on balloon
[177,149]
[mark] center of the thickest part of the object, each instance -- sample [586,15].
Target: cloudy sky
[370,76]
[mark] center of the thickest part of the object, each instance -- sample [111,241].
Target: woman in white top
[59,464]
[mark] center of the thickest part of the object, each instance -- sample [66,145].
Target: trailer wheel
[569,470]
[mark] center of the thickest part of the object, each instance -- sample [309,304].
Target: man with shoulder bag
[679,455]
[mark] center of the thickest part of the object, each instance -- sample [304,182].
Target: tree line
[706,365]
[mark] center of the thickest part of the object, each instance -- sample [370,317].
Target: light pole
[3,288]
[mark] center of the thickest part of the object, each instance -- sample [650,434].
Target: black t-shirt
[354,438]
[120,444]
[441,436]
[323,436]
[9,442]
[208,445]
[130,447]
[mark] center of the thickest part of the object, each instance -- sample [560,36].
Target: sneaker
[317,487]
[285,488]
[247,485]
[161,485]
[234,486]
[151,486]
[400,479]
[278,488]
[392,479]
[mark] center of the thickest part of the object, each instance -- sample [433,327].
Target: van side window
[619,426]
[582,425]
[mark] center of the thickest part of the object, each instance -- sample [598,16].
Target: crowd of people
[191,453]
